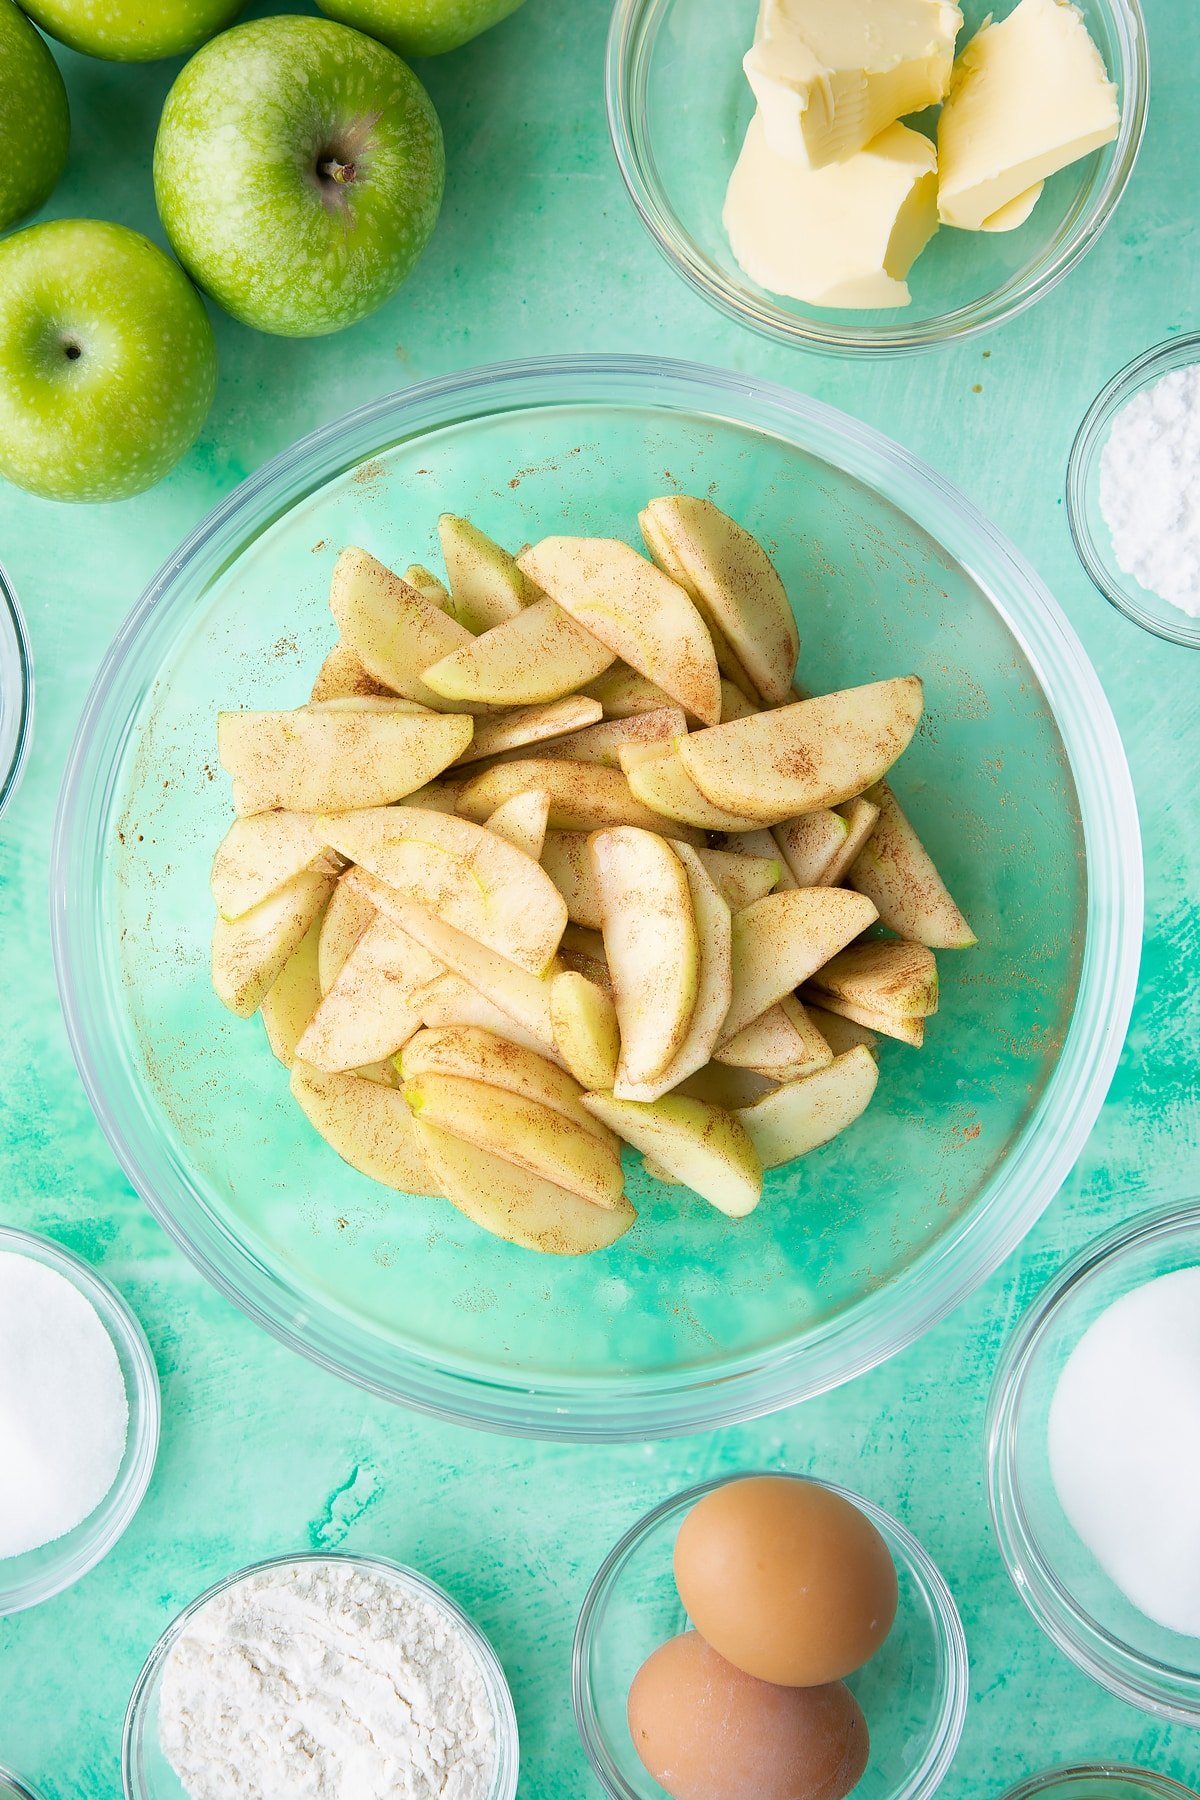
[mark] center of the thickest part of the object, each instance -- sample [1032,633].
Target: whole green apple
[35,123]
[132,30]
[108,363]
[298,171]
[421,27]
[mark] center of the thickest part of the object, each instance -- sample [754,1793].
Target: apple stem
[333,170]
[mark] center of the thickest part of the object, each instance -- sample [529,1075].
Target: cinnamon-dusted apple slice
[734,582]
[508,733]
[373,1006]
[486,1056]
[861,816]
[315,761]
[523,996]
[259,855]
[486,586]
[367,1124]
[741,879]
[521,822]
[512,1204]
[659,780]
[812,844]
[428,585]
[453,1001]
[734,703]
[783,939]
[783,1044]
[583,796]
[762,842]
[342,676]
[896,871]
[637,611]
[841,1034]
[887,975]
[623,693]
[567,861]
[293,997]
[586,1033]
[651,944]
[814,753]
[703,1147]
[805,1114]
[602,743]
[250,953]
[539,656]
[393,630]
[719,1084]
[347,916]
[906,1028]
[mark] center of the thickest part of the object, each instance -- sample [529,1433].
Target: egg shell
[786,1580]
[706,1731]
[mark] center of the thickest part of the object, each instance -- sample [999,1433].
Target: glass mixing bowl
[146,1773]
[913,1693]
[16,692]
[678,108]
[13,1789]
[1072,1598]
[1017,781]
[1099,1781]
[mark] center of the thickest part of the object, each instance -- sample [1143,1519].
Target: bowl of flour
[1133,491]
[319,1678]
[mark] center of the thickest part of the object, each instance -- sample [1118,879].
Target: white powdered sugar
[321,1680]
[1150,488]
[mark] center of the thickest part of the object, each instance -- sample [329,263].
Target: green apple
[35,123]
[108,364]
[298,170]
[421,27]
[130,30]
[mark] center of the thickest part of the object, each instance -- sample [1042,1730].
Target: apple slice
[259,855]
[797,1118]
[583,796]
[734,582]
[741,879]
[521,822]
[453,1001]
[392,629]
[811,845]
[814,753]
[370,703]
[582,952]
[887,975]
[783,1044]
[861,818]
[762,842]
[504,734]
[484,1056]
[701,1146]
[639,613]
[428,585]
[841,1034]
[714,929]
[567,861]
[293,997]
[368,1125]
[249,953]
[373,1007]
[523,996]
[661,782]
[783,939]
[656,1172]
[602,743]
[467,875]
[623,693]
[486,586]
[651,945]
[514,1205]
[331,761]
[438,796]
[896,871]
[347,916]
[718,1084]
[907,1029]
[342,676]
[520,1131]
[539,656]
[728,661]
[586,1033]
[734,703]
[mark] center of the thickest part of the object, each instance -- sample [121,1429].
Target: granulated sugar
[1150,488]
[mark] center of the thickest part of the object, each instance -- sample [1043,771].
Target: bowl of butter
[877,176]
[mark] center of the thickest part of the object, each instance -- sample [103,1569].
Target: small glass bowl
[1099,1781]
[678,107]
[40,1574]
[16,691]
[12,1788]
[913,1693]
[1092,538]
[1076,1604]
[145,1771]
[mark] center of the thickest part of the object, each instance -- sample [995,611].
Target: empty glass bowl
[678,107]
[913,1693]
[1092,538]
[16,692]
[1099,1781]
[1057,1577]
[147,1774]
[39,1574]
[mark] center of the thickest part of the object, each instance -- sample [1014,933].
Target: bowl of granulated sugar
[79,1418]
[1133,491]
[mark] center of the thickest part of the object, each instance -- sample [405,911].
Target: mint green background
[537,251]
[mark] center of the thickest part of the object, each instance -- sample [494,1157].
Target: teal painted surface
[538,251]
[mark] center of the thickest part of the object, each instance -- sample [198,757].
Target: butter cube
[1029,95]
[842,236]
[830,75]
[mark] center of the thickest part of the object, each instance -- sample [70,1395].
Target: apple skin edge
[129,30]
[421,27]
[35,119]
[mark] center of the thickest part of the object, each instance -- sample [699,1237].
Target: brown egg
[706,1731]
[786,1580]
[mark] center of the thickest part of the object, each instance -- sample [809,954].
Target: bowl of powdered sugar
[322,1678]
[1133,491]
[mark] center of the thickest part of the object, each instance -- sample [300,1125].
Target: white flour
[321,1681]
[1150,488]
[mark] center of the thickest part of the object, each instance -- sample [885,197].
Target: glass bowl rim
[923,1782]
[94,1537]
[1180,351]
[17,658]
[600,1410]
[1162,1787]
[1139,1680]
[12,1784]
[490,1666]
[632,22]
